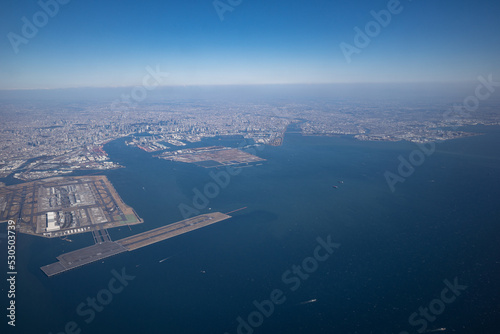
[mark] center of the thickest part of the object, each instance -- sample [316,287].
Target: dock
[104,247]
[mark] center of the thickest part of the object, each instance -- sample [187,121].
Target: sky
[113,43]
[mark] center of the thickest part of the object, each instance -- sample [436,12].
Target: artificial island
[105,247]
[62,206]
[211,156]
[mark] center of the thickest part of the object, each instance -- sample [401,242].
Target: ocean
[424,257]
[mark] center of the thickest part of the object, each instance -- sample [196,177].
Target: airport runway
[104,247]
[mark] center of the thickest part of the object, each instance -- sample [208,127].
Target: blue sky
[110,43]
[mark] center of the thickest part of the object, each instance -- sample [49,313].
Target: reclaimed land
[106,249]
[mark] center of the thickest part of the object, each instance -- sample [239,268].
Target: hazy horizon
[50,44]
[336,91]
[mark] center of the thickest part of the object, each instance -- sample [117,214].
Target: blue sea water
[396,248]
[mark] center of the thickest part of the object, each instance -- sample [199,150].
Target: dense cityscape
[49,140]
